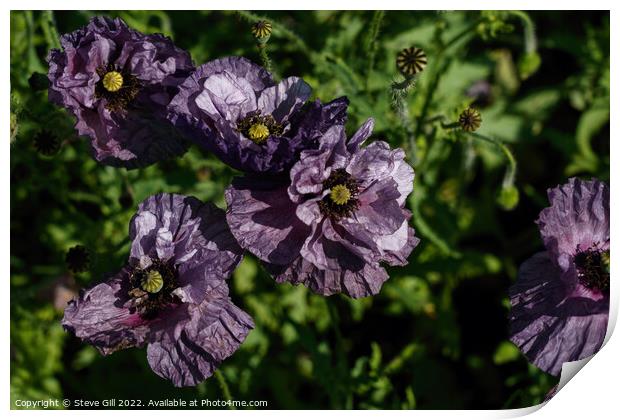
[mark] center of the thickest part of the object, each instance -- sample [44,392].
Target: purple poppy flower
[117,82]
[233,108]
[560,302]
[172,295]
[339,217]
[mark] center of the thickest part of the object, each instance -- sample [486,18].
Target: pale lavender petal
[379,162]
[285,98]
[362,133]
[227,97]
[578,217]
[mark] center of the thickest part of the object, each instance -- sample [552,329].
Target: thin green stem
[34,64]
[529,30]
[333,314]
[441,118]
[456,38]
[48,24]
[221,380]
[429,95]
[512,162]
[340,352]
[448,126]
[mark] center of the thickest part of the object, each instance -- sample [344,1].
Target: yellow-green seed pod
[258,133]
[411,61]
[112,81]
[261,31]
[470,120]
[152,282]
[340,194]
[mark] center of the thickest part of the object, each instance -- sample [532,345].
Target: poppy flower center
[342,199]
[152,282]
[258,133]
[340,194]
[113,81]
[151,288]
[117,87]
[258,128]
[593,268]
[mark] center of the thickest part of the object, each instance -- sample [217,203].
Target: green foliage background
[436,335]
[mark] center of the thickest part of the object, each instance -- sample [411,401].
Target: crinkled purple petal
[354,144]
[99,317]
[262,218]
[578,217]
[317,119]
[212,101]
[547,323]
[139,134]
[397,247]
[291,227]
[194,234]
[379,211]
[378,162]
[227,97]
[284,99]
[135,140]
[309,177]
[355,279]
[189,351]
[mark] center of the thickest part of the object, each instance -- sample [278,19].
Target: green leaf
[506,352]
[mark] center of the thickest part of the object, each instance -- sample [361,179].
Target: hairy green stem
[371,41]
[398,94]
[279,29]
[264,57]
